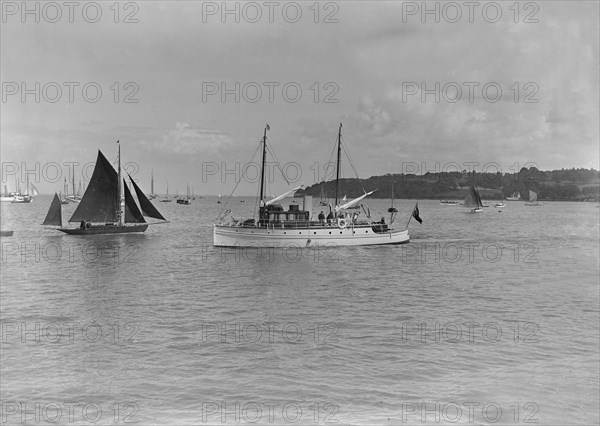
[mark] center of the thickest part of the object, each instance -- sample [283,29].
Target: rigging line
[272,152]
[224,206]
[353,167]
[333,148]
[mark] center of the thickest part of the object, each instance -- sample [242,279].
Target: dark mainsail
[132,212]
[54,216]
[472,199]
[100,201]
[147,207]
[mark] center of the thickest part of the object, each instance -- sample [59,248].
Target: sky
[188,88]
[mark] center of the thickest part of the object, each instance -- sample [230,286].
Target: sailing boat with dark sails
[533,200]
[277,227]
[107,206]
[473,201]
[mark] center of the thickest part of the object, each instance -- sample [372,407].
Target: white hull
[238,236]
[6,199]
[476,210]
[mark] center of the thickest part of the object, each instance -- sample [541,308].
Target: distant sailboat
[30,192]
[74,198]
[152,195]
[533,200]
[501,203]
[6,197]
[64,200]
[107,207]
[187,200]
[515,197]
[473,201]
[166,199]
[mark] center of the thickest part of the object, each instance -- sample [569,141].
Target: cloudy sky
[377,67]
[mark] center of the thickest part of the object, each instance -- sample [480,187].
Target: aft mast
[337,169]
[120,189]
[262,206]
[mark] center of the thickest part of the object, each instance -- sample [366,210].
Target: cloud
[187,140]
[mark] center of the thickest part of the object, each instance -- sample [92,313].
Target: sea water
[482,318]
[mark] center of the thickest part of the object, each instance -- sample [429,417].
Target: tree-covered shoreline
[556,185]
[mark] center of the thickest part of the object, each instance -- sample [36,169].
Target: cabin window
[314,232]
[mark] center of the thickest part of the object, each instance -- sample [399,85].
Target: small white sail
[352,202]
[532,197]
[282,196]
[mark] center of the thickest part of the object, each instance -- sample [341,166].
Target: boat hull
[105,229]
[237,236]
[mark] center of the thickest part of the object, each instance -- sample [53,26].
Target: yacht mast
[337,169]
[262,172]
[120,190]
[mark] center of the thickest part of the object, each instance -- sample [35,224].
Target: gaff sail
[282,196]
[54,215]
[147,207]
[100,201]
[352,202]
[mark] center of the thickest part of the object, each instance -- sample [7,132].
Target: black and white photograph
[301,212]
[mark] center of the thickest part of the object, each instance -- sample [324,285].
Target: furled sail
[54,215]
[100,201]
[352,202]
[147,207]
[282,196]
[132,212]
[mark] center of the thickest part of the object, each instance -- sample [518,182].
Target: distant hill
[565,185]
